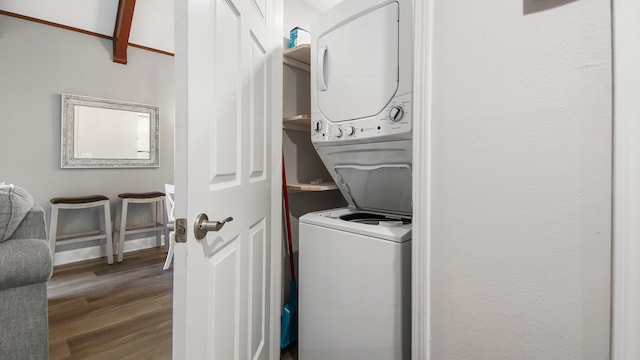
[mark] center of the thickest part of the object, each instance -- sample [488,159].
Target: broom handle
[285,194]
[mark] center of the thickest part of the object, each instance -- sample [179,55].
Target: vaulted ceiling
[146,23]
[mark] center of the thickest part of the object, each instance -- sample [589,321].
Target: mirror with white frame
[103,133]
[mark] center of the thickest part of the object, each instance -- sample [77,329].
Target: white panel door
[226,101]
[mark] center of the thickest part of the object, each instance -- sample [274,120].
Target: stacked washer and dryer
[355,262]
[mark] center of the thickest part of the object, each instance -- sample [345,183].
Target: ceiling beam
[122,29]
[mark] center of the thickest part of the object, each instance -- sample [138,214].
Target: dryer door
[373,176]
[357,65]
[384,188]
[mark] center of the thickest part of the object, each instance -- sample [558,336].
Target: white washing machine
[354,286]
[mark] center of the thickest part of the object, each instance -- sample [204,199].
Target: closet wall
[301,160]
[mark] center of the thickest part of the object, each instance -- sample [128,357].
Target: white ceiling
[153,20]
[322,5]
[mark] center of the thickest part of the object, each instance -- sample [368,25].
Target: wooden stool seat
[80,203]
[158,226]
[146,195]
[78,199]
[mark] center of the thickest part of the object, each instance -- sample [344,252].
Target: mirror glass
[108,133]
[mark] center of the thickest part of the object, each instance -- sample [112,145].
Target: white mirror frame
[68,159]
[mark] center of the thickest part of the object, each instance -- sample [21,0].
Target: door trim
[421,237]
[625,322]
[180,180]
[275,159]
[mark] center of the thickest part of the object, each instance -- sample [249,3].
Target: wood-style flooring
[119,311]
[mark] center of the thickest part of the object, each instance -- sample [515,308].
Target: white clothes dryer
[355,286]
[362,73]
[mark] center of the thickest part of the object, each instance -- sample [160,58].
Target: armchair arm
[33,226]
[24,262]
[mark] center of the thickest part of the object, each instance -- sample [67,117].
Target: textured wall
[39,62]
[521,225]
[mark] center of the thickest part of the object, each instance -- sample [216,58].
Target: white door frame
[275,163]
[421,237]
[625,329]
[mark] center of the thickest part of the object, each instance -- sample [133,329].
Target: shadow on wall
[534,6]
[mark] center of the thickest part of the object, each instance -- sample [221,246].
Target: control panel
[393,122]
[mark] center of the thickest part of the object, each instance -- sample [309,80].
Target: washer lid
[385,188]
[357,65]
[333,219]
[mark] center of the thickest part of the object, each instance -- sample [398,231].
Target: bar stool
[80,203]
[156,198]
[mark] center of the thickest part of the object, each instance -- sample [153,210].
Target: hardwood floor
[119,311]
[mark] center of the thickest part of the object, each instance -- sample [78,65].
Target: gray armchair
[25,268]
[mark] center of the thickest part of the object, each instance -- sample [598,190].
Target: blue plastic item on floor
[289,326]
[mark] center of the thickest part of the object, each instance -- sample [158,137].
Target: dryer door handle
[322,82]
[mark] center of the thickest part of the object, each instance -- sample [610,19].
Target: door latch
[180,230]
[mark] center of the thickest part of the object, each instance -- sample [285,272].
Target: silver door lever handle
[203,225]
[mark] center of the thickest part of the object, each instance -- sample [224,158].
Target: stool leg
[156,219]
[167,262]
[109,234]
[167,236]
[123,229]
[53,229]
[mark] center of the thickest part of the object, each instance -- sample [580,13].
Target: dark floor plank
[119,311]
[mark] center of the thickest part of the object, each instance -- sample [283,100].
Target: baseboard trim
[94,252]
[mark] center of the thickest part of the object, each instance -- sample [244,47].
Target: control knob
[350,130]
[396,113]
[317,126]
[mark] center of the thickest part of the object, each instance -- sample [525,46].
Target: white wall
[40,62]
[521,171]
